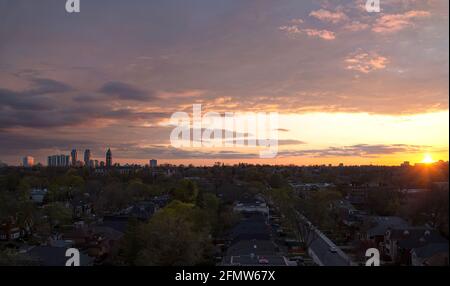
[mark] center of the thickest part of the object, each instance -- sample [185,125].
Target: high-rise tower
[108,158]
[87,157]
[74,157]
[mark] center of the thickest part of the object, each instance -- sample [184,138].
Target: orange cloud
[328,16]
[365,62]
[294,30]
[356,26]
[290,30]
[181,94]
[396,22]
[323,34]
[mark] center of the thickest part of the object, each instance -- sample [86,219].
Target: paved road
[321,249]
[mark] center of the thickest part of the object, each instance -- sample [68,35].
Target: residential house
[38,195]
[433,254]
[347,213]
[141,211]
[10,231]
[399,242]
[378,225]
[252,207]
[104,244]
[81,208]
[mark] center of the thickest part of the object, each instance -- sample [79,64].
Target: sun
[427,159]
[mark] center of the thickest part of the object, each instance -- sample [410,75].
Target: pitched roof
[431,249]
[383,223]
[413,237]
[107,232]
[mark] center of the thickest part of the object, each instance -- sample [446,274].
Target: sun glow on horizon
[427,159]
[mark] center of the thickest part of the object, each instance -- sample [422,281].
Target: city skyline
[350,86]
[71,161]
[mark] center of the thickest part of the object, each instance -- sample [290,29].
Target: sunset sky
[349,86]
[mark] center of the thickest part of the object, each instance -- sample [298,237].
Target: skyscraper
[74,157]
[58,161]
[108,158]
[153,163]
[87,157]
[28,161]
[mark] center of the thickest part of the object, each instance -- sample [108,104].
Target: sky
[349,86]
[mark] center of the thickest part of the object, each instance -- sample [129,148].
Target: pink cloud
[356,26]
[293,30]
[323,34]
[290,30]
[296,21]
[365,62]
[392,23]
[181,94]
[328,16]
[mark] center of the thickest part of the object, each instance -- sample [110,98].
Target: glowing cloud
[365,62]
[293,30]
[392,23]
[328,16]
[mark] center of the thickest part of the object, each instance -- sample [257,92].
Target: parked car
[333,249]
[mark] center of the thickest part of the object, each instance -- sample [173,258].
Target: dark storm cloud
[18,143]
[42,119]
[46,86]
[131,114]
[34,98]
[37,107]
[125,91]
[84,98]
[23,101]
[35,114]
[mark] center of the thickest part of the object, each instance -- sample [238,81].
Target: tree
[113,197]
[210,205]
[276,181]
[287,203]
[431,208]
[304,230]
[317,207]
[186,191]
[174,236]
[57,214]
[384,202]
[8,205]
[9,257]
[131,244]
[141,191]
